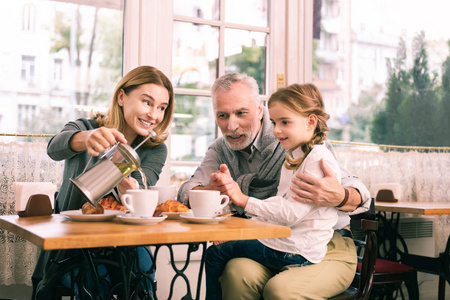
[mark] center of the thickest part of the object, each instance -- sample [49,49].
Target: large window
[77,58]
[61,60]
[383,73]
[211,38]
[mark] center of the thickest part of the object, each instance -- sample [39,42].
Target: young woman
[143,100]
[299,119]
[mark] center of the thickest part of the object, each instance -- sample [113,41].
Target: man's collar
[257,143]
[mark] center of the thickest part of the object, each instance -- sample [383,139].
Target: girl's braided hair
[303,99]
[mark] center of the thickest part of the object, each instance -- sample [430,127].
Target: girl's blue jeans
[218,256]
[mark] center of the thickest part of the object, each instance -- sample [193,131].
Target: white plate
[175,215]
[141,220]
[202,220]
[77,215]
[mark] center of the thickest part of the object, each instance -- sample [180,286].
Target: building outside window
[68,58]
[28,17]
[377,43]
[58,69]
[28,66]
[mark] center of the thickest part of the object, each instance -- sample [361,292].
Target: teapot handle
[108,154]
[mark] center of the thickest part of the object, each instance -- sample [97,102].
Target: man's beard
[248,139]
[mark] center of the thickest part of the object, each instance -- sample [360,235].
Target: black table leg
[192,247]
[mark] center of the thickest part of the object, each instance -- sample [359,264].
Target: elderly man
[254,159]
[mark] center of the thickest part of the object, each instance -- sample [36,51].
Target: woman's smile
[146,123]
[143,109]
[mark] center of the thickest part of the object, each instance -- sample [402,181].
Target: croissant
[172,206]
[110,203]
[89,209]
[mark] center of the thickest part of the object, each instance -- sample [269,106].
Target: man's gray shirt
[258,173]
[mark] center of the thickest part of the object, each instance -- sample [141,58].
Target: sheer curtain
[423,174]
[21,162]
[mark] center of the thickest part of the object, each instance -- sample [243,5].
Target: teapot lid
[129,154]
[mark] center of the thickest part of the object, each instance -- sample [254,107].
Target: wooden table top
[58,232]
[419,208]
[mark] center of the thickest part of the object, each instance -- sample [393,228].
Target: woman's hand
[97,140]
[128,183]
[101,138]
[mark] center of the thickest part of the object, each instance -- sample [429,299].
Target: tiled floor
[428,291]
[19,292]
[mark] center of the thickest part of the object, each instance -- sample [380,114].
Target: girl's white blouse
[311,226]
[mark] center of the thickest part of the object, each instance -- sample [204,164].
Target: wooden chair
[391,269]
[366,244]
[444,269]
[433,265]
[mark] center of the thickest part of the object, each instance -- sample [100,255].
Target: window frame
[147,42]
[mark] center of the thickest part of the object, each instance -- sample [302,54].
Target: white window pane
[195,53]
[247,12]
[204,9]
[245,52]
[193,128]
[62,60]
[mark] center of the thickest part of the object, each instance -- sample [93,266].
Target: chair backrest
[445,262]
[363,227]
[367,256]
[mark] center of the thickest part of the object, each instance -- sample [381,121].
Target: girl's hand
[227,186]
[221,181]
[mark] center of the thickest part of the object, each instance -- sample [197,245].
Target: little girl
[299,122]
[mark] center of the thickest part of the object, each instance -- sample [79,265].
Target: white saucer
[77,215]
[176,215]
[141,220]
[202,220]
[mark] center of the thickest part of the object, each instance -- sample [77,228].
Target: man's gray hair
[224,83]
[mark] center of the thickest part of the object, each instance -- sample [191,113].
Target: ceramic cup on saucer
[207,203]
[141,203]
[168,192]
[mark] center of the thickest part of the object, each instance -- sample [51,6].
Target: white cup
[207,203]
[165,193]
[140,203]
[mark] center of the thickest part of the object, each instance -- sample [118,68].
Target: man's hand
[326,191]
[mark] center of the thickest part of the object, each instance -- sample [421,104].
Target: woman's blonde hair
[114,118]
[303,99]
